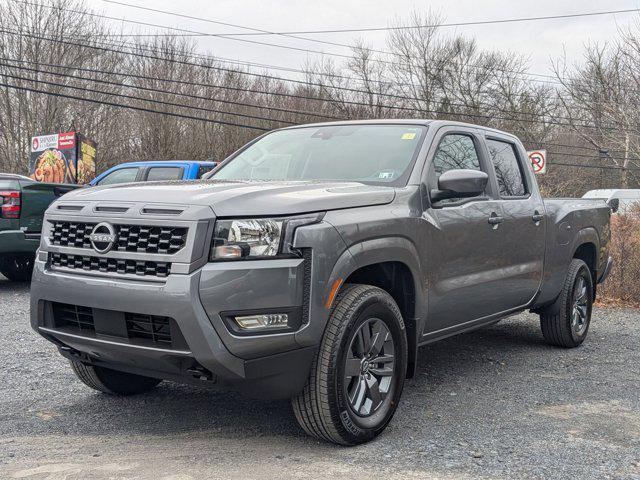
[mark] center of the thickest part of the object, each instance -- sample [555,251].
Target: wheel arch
[392,264]
[585,248]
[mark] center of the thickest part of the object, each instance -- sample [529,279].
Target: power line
[156,90]
[287,47]
[261,32]
[418,27]
[142,99]
[191,117]
[160,102]
[307,97]
[201,97]
[553,80]
[498,109]
[601,167]
[467,65]
[131,107]
[289,69]
[592,157]
[258,31]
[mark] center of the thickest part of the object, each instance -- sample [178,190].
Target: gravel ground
[495,403]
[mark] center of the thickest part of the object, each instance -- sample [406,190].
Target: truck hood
[228,199]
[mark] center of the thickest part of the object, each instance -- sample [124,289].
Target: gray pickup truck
[312,265]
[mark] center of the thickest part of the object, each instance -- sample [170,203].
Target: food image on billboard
[63,158]
[51,166]
[86,160]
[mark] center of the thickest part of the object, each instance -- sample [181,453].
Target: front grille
[111,265]
[149,327]
[130,238]
[67,234]
[74,316]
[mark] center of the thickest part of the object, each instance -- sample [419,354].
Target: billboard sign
[56,158]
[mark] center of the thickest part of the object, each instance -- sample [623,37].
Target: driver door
[464,241]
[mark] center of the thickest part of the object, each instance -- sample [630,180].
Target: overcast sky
[538,41]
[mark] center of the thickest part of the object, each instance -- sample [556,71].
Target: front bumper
[17,241]
[269,366]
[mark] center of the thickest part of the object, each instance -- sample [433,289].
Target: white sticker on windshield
[385,175]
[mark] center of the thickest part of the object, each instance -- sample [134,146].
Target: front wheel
[112,382]
[566,322]
[357,378]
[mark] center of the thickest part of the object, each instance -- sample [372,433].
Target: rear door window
[164,173]
[122,175]
[508,171]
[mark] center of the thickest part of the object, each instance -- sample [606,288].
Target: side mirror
[460,183]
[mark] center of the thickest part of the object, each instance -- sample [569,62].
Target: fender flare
[587,235]
[379,250]
[388,249]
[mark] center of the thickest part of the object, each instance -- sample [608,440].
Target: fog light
[263,322]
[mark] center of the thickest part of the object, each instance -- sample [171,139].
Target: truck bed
[569,222]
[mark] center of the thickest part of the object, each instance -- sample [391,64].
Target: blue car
[154,170]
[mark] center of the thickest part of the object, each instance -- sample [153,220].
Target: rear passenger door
[523,227]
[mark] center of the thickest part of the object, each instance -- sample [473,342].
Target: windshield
[378,154]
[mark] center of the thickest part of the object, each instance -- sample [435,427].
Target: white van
[626,196]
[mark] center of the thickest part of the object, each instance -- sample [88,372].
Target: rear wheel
[113,382]
[357,378]
[17,267]
[566,322]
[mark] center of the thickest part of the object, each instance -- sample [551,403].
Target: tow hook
[70,352]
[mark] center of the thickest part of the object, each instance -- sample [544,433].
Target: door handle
[537,217]
[495,219]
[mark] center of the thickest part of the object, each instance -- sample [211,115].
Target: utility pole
[625,165]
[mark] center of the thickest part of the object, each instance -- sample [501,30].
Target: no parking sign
[538,160]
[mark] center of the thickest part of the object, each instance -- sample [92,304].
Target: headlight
[256,237]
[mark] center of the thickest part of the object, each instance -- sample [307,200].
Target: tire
[113,382]
[565,323]
[17,267]
[339,403]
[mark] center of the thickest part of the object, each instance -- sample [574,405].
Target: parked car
[312,264]
[153,171]
[627,197]
[22,205]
